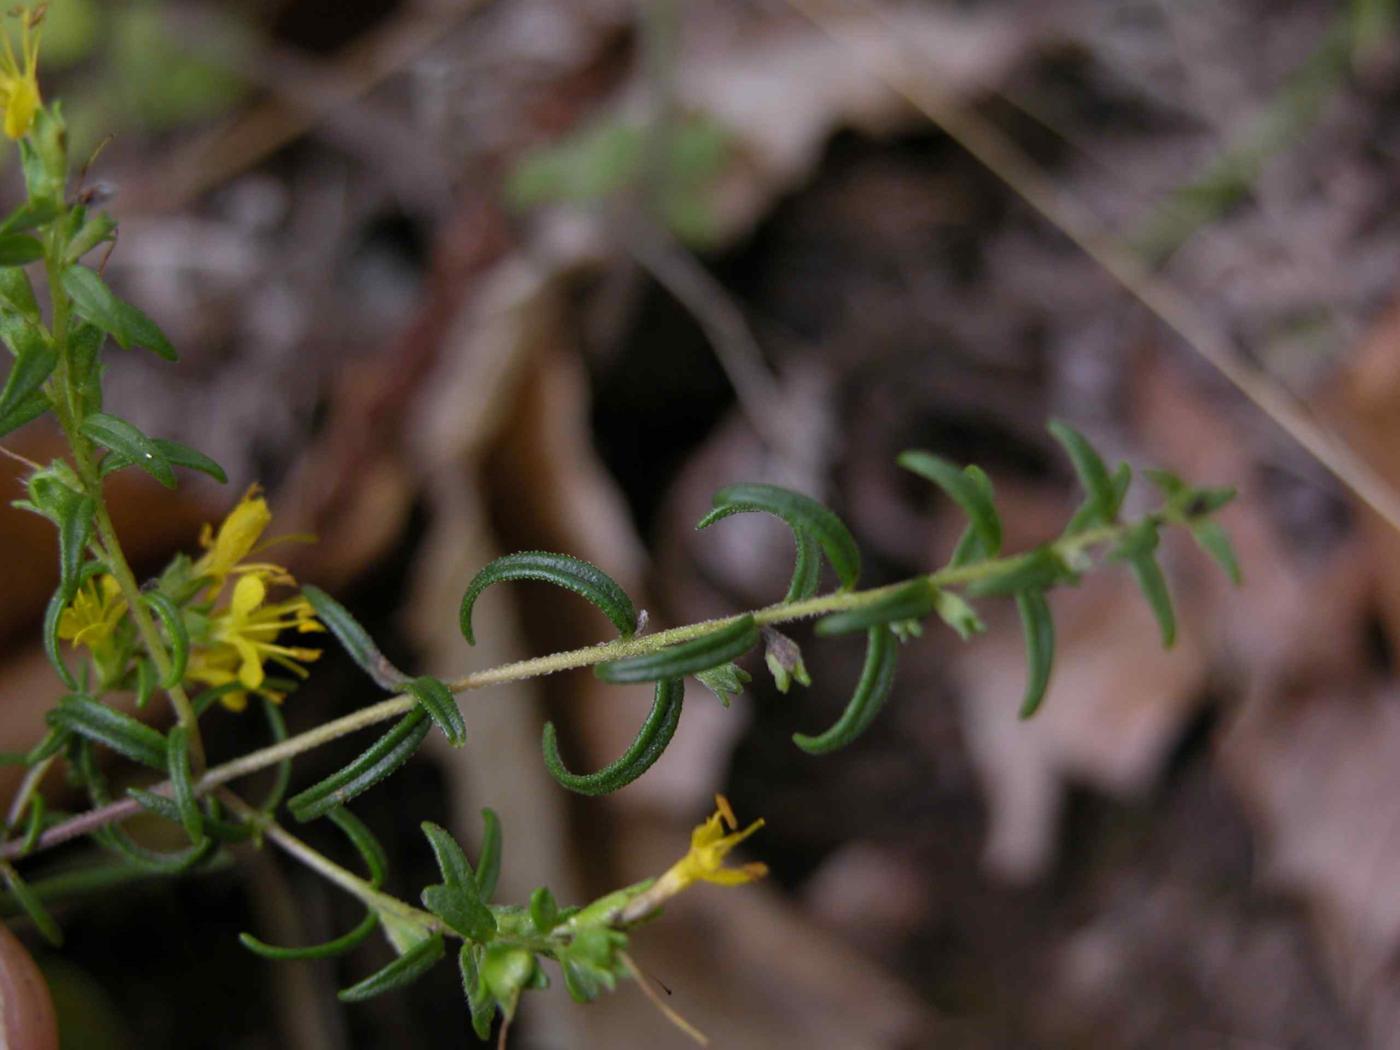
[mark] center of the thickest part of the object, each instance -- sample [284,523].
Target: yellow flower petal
[248,593]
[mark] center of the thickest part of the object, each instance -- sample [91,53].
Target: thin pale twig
[667,1011]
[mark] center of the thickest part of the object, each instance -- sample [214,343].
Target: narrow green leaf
[479,1000]
[913,601]
[573,574]
[807,569]
[1215,541]
[282,772]
[182,783]
[145,681]
[404,970]
[805,516]
[371,852]
[75,524]
[451,861]
[327,950]
[1034,570]
[488,865]
[458,901]
[27,375]
[168,613]
[103,725]
[380,760]
[122,321]
[121,437]
[675,661]
[544,911]
[965,491]
[34,827]
[18,294]
[1138,549]
[153,861]
[1093,475]
[25,411]
[1039,629]
[873,689]
[178,455]
[651,741]
[437,700]
[17,249]
[355,640]
[27,899]
[29,215]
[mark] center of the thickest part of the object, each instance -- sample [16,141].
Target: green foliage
[562,570]
[380,760]
[873,689]
[712,649]
[651,741]
[354,639]
[437,700]
[808,520]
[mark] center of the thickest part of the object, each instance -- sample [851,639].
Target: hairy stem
[1067,547]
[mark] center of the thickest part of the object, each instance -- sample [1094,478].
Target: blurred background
[453,279]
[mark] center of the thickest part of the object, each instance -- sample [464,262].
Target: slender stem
[1068,547]
[113,555]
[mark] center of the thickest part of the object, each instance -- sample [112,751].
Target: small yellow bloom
[19,83]
[243,639]
[94,613]
[709,845]
[236,538]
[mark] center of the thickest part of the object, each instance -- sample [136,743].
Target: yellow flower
[709,845]
[236,539]
[243,639]
[94,613]
[19,85]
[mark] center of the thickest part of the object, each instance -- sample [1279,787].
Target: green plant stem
[1070,548]
[112,552]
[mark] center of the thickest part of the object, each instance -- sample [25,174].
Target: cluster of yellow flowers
[19,74]
[243,625]
[244,629]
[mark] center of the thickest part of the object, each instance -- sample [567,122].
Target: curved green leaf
[434,697]
[1093,475]
[282,772]
[652,739]
[121,437]
[182,784]
[371,852]
[488,865]
[355,640]
[404,970]
[807,518]
[873,689]
[145,681]
[675,661]
[326,950]
[1139,549]
[544,911]
[913,601]
[27,899]
[562,570]
[58,602]
[966,490]
[1215,541]
[378,761]
[1039,628]
[175,631]
[17,249]
[103,725]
